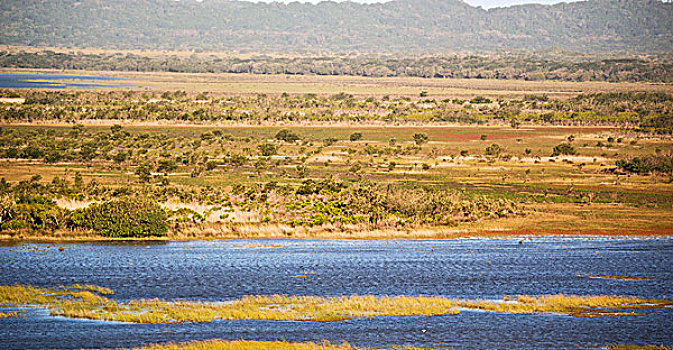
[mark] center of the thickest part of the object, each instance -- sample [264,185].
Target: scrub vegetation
[176,164]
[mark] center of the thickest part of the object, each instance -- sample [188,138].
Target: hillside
[396,26]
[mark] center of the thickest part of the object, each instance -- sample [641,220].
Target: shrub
[123,218]
[493,150]
[287,136]
[563,149]
[646,165]
[420,138]
[30,211]
[267,149]
[356,136]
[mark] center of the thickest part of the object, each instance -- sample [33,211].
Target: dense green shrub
[563,149]
[646,165]
[287,136]
[31,211]
[267,149]
[420,138]
[123,218]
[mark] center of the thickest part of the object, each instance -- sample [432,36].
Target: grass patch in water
[8,315]
[246,345]
[639,347]
[625,278]
[80,303]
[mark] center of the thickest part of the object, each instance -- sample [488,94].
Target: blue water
[57,81]
[222,270]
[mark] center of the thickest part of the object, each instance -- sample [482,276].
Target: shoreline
[488,234]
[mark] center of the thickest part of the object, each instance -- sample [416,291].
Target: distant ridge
[630,26]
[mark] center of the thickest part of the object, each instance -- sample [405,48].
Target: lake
[470,268]
[59,81]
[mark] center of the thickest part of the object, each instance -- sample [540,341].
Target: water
[58,81]
[221,270]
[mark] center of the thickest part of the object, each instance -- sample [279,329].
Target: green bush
[563,149]
[287,136]
[646,165]
[123,218]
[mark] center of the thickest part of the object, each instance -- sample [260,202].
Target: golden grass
[625,278]
[639,347]
[79,302]
[8,315]
[246,345]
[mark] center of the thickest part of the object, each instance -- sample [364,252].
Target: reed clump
[571,305]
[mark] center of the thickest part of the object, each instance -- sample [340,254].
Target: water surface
[59,81]
[476,268]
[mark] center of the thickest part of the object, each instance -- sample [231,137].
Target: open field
[253,84]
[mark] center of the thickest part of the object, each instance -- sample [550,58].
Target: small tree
[356,136]
[267,149]
[420,138]
[563,149]
[493,150]
[287,136]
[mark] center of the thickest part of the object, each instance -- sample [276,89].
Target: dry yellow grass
[246,345]
[82,302]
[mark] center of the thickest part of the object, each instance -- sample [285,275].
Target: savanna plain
[324,210]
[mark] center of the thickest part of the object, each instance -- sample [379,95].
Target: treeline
[496,66]
[646,112]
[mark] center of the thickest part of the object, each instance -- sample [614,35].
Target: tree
[493,150]
[287,136]
[563,149]
[420,138]
[267,149]
[144,173]
[123,218]
[356,136]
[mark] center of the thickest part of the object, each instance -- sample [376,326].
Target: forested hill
[396,26]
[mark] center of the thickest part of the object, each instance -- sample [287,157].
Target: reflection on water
[220,270]
[58,81]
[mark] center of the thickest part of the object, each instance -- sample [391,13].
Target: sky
[483,3]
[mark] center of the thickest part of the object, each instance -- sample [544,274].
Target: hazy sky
[483,3]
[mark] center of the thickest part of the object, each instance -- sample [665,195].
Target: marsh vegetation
[84,302]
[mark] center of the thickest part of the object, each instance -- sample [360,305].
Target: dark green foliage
[420,138]
[480,99]
[287,136]
[564,149]
[267,149]
[36,212]
[356,136]
[330,141]
[167,166]
[123,218]
[493,150]
[646,165]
